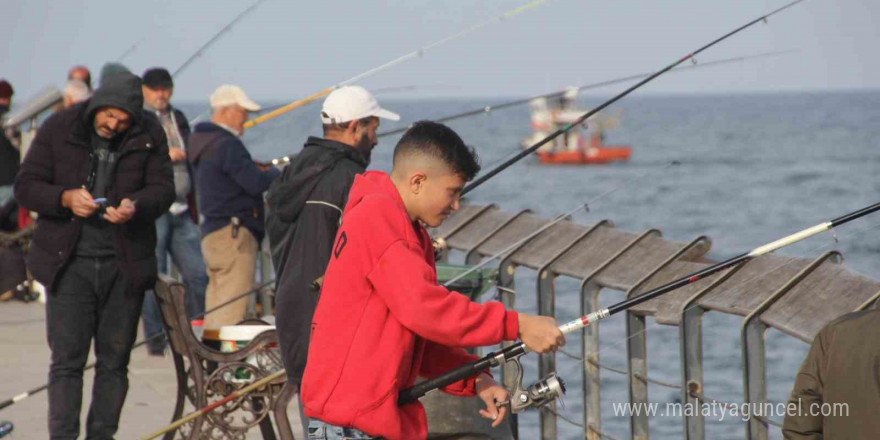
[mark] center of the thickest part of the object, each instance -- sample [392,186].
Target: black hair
[441,142]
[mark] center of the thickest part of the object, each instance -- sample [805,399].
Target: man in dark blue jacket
[230,189]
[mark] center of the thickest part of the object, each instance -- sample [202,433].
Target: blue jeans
[179,236]
[319,430]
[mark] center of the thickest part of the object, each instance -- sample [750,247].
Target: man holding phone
[94,247]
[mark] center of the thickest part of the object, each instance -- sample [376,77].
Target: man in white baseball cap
[229,191]
[230,107]
[305,209]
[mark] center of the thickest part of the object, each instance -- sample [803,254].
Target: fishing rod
[373,91]
[204,411]
[548,225]
[19,397]
[551,387]
[128,51]
[592,112]
[216,36]
[490,108]
[414,54]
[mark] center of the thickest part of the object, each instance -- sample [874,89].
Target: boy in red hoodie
[382,320]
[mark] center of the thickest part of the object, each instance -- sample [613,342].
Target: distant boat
[581,145]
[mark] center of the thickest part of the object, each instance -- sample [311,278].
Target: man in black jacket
[98,175]
[305,208]
[177,231]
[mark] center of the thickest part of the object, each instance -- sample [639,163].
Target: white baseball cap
[350,103]
[228,94]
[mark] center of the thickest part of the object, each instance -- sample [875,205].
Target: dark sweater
[228,182]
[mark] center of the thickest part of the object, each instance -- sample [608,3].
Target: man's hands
[176,154]
[491,393]
[122,214]
[79,201]
[540,333]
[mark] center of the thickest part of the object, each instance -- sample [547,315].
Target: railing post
[547,361]
[691,339]
[636,346]
[592,394]
[592,381]
[506,288]
[753,349]
[691,352]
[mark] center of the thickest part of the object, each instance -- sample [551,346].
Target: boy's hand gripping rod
[551,387]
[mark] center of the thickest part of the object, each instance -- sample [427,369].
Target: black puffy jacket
[60,158]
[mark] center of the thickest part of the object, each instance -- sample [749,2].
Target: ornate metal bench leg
[180,368]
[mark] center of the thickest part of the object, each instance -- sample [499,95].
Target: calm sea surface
[754,168]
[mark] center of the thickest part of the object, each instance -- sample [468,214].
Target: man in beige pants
[229,187]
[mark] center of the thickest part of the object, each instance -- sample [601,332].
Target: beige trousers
[231,265]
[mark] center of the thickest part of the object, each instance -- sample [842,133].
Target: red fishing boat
[579,146]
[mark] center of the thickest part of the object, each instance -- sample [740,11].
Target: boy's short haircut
[441,142]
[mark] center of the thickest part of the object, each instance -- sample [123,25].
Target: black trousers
[91,301]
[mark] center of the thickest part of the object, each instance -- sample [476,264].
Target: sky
[286,50]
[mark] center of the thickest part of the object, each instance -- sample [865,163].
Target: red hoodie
[382,320]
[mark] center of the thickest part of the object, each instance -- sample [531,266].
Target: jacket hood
[288,194]
[372,183]
[123,91]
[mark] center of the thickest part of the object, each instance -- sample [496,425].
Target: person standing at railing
[836,392]
[229,187]
[305,208]
[98,175]
[177,231]
[382,320]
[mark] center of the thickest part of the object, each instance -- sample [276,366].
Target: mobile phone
[100,200]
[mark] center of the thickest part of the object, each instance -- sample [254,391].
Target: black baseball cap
[158,78]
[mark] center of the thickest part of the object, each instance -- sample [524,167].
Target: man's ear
[352,130]
[417,182]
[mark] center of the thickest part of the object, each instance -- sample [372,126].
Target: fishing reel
[540,393]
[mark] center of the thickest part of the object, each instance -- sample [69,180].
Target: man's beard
[365,146]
